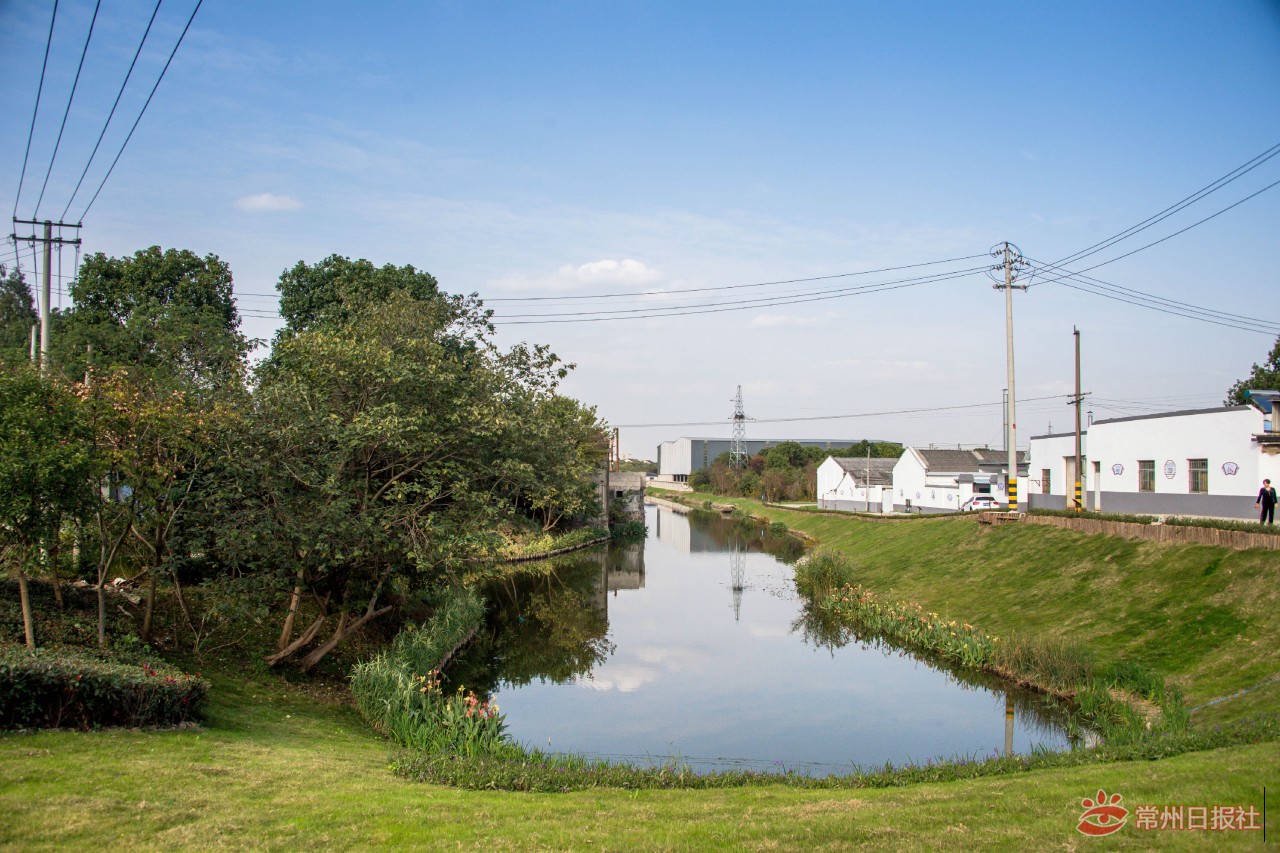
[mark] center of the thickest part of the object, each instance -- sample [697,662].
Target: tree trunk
[341,633]
[151,605]
[292,648]
[28,624]
[286,635]
[53,567]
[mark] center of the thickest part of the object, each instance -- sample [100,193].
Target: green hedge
[1097,516]
[1224,524]
[62,689]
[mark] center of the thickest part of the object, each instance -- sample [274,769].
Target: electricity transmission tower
[738,452]
[1012,268]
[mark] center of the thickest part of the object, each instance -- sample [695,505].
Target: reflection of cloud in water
[759,630]
[653,662]
[672,658]
[621,678]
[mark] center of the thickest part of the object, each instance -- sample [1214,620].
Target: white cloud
[268,202]
[627,272]
[784,321]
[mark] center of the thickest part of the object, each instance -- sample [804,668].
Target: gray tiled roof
[965,461]
[881,469]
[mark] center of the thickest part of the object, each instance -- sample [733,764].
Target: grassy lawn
[278,768]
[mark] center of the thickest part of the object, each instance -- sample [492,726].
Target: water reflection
[630,653]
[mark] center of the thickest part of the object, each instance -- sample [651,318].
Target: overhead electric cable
[1203,315]
[143,111]
[569,297]
[36,111]
[111,114]
[846,417]
[1199,194]
[1160,300]
[67,112]
[755,302]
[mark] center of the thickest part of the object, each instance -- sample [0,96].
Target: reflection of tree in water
[711,531]
[549,627]
[1038,714]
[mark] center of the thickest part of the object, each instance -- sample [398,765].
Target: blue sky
[557,149]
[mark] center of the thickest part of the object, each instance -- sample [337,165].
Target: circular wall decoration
[1117,469]
[949,497]
[1230,469]
[1170,469]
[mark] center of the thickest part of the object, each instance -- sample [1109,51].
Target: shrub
[62,689]
[821,573]
[628,531]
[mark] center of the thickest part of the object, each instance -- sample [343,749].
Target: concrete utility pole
[46,279]
[1012,265]
[1078,402]
[45,291]
[868,483]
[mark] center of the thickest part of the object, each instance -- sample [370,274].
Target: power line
[67,112]
[144,109]
[1212,187]
[1174,305]
[1107,290]
[36,111]
[568,297]
[844,417]
[111,114]
[763,302]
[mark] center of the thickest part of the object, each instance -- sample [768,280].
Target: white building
[679,458]
[1206,462]
[850,484]
[944,480]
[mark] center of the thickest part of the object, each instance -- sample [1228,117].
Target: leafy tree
[377,457]
[17,316]
[336,290]
[45,464]
[553,456]
[169,315]
[1263,377]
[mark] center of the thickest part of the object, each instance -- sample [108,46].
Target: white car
[978,503]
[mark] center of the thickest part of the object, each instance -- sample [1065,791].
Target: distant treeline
[787,471]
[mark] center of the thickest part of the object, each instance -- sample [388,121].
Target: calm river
[695,646]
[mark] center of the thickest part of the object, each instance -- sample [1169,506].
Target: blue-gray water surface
[695,646]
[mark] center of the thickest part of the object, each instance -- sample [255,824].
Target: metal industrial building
[679,458]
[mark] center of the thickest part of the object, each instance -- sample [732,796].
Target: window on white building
[1146,475]
[1044,481]
[1198,476]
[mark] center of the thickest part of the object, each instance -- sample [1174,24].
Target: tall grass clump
[398,691]
[822,573]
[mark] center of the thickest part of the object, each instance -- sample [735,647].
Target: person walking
[1266,500]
